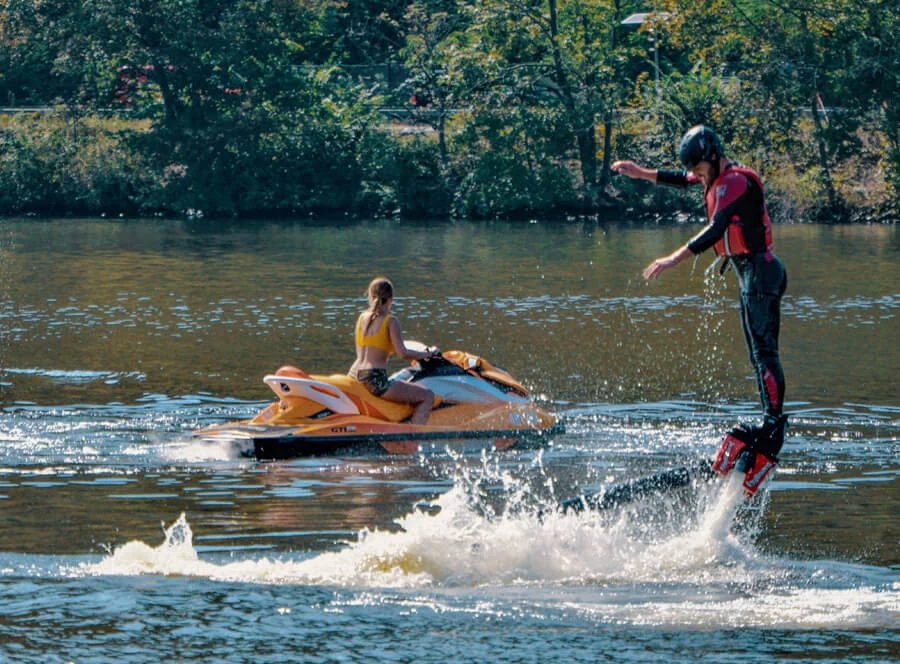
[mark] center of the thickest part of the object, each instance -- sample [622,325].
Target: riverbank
[59,163]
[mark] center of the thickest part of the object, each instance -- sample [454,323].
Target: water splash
[175,556]
[604,566]
[709,331]
[462,539]
[193,450]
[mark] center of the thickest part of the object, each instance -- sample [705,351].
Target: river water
[124,539]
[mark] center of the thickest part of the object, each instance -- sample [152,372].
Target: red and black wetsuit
[739,228]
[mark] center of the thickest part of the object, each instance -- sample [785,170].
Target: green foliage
[54,164]
[517,173]
[421,185]
[547,57]
[250,107]
[261,160]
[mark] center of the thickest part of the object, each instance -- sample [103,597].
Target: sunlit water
[124,539]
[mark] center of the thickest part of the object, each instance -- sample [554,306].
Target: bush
[418,182]
[53,163]
[512,163]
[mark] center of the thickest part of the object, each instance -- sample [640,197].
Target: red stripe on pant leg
[771,386]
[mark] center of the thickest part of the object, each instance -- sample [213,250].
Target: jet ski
[475,401]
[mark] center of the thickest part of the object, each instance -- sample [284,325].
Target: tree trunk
[587,151]
[823,155]
[442,137]
[170,102]
[810,56]
[607,153]
[585,130]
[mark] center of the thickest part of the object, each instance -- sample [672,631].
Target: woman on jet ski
[378,336]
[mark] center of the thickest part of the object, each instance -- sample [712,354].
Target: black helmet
[700,144]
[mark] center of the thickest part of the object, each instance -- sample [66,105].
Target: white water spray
[462,540]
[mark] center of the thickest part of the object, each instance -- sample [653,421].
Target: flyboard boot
[752,450]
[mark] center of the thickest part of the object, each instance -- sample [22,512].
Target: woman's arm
[400,348]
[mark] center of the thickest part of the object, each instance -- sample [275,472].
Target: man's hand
[628,168]
[652,271]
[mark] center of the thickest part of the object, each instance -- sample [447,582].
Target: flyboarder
[740,230]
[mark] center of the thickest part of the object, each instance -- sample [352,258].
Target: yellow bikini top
[381,339]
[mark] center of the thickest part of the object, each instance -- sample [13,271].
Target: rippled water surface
[124,539]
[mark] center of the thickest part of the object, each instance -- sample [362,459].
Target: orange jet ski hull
[476,404]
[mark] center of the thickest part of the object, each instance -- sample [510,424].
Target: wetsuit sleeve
[673,178]
[726,195]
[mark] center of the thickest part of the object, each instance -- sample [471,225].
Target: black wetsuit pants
[763,281]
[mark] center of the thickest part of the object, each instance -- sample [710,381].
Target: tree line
[441,108]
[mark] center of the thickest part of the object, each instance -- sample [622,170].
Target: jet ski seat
[338,392]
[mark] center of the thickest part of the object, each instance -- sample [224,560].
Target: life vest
[381,339]
[747,235]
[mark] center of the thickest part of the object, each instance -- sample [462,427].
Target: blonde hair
[380,291]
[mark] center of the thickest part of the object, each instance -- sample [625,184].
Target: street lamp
[636,21]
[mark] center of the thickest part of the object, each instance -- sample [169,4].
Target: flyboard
[735,455]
